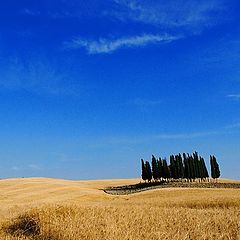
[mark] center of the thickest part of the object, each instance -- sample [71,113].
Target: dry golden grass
[77,210]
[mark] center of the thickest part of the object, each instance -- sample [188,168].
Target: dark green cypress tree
[213,174]
[172,167]
[186,167]
[163,170]
[144,171]
[216,167]
[159,168]
[149,171]
[201,169]
[218,173]
[206,175]
[195,168]
[180,165]
[192,167]
[196,165]
[154,168]
[166,169]
[205,171]
[177,166]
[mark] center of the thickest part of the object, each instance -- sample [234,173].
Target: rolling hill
[63,209]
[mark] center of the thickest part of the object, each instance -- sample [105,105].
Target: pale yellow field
[81,210]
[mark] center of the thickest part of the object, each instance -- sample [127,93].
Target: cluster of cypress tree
[183,166]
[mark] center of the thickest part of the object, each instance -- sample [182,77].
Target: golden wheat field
[55,209]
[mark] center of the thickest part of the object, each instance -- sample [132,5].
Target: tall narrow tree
[173,167]
[192,168]
[186,167]
[213,174]
[159,169]
[144,171]
[180,166]
[166,170]
[149,171]
[154,168]
[204,169]
[215,171]
[177,167]
[196,165]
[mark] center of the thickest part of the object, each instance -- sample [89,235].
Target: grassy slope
[19,194]
[80,210]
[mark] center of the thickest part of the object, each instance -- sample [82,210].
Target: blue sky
[88,88]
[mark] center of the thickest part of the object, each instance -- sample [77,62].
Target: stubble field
[55,209]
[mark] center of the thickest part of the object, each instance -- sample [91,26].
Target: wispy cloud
[50,13]
[223,130]
[234,96]
[233,126]
[172,20]
[104,45]
[36,75]
[34,167]
[30,12]
[135,140]
[172,13]
[141,102]
[27,167]
[187,135]
[142,139]
[15,168]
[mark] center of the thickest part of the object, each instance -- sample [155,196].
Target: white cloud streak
[104,45]
[36,75]
[172,13]
[129,141]
[30,12]
[34,167]
[187,135]
[234,96]
[175,18]
[149,139]
[233,126]
[140,102]
[27,167]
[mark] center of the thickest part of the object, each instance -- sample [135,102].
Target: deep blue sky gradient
[89,88]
